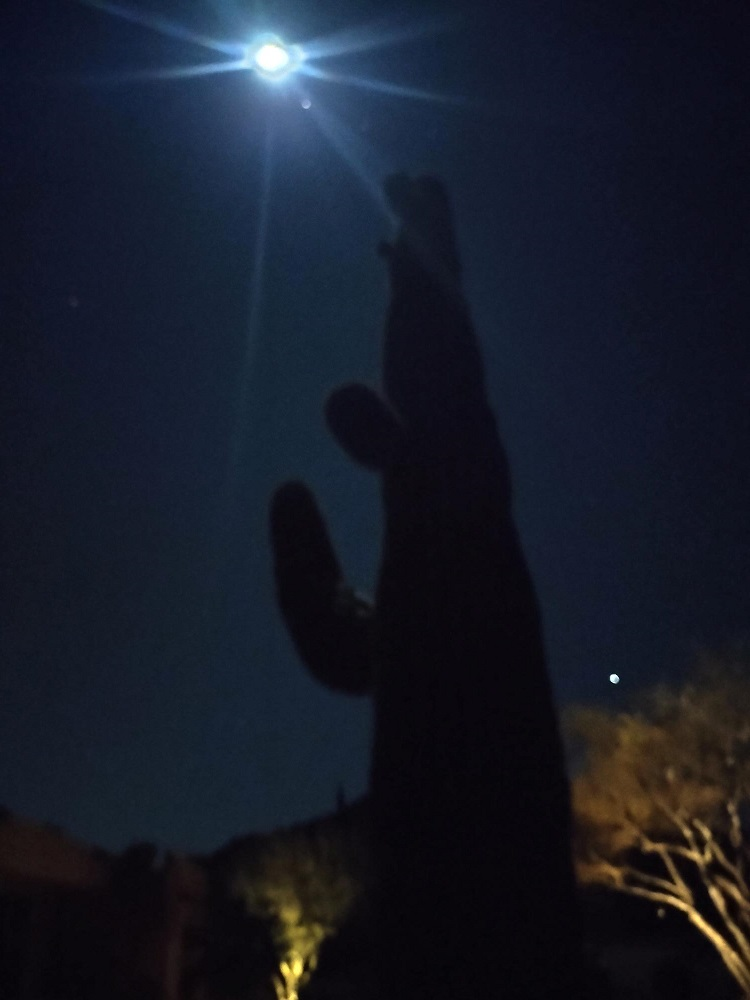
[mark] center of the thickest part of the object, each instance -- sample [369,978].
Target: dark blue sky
[599,175]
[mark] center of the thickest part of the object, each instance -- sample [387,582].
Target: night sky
[153,397]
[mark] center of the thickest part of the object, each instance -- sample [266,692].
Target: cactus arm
[330,625]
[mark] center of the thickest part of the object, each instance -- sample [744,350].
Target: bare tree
[663,799]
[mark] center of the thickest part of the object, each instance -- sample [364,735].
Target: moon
[272,58]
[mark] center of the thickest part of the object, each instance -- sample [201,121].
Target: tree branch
[714,889]
[735,826]
[734,892]
[668,862]
[717,898]
[720,856]
[655,883]
[739,968]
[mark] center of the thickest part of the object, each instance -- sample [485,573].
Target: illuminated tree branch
[673,782]
[635,883]
[734,871]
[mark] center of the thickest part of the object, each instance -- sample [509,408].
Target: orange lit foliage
[661,803]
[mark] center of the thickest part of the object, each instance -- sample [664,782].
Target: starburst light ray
[375,36]
[239,430]
[164,26]
[168,73]
[274,60]
[380,86]
[361,158]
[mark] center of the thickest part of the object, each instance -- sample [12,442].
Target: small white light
[614,678]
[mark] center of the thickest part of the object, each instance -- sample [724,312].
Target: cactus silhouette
[474,893]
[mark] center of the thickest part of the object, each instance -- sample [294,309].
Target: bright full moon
[272,59]
[614,678]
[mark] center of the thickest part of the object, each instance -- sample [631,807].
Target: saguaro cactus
[475,893]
